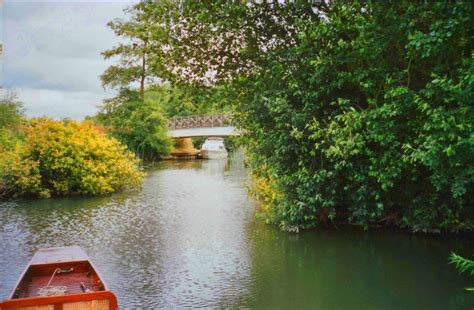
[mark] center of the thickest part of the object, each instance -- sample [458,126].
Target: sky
[51,54]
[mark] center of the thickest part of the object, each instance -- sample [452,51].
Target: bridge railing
[200,121]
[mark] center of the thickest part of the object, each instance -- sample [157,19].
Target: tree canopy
[355,111]
[141,125]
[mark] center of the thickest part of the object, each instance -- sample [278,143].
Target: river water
[189,238]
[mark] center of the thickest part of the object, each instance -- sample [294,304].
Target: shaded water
[189,238]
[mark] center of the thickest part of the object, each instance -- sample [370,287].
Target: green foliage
[141,125]
[142,58]
[463,265]
[9,138]
[355,111]
[184,100]
[133,54]
[11,115]
[173,100]
[61,158]
[11,110]
[365,122]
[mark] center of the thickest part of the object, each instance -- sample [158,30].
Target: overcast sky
[52,54]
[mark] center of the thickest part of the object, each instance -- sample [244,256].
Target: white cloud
[60,104]
[53,49]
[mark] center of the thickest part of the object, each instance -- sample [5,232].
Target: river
[189,238]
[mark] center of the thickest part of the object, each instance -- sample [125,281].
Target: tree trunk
[143,73]
[142,79]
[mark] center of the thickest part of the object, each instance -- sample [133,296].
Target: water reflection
[353,269]
[180,241]
[189,238]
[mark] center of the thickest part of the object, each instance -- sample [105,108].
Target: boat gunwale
[53,300]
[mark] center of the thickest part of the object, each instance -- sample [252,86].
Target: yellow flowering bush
[66,157]
[263,188]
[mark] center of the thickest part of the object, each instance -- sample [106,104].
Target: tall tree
[144,55]
[133,55]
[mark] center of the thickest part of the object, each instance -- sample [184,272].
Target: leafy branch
[463,265]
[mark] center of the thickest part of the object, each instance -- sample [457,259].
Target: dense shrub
[369,118]
[65,157]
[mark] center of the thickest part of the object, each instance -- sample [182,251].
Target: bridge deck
[204,132]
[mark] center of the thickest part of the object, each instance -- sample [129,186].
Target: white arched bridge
[210,125]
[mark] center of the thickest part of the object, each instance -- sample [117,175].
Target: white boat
[213,148]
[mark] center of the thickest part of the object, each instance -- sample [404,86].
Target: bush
[66,157]
[368,118]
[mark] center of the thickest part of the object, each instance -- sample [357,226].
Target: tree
[139,124]
[184,100]
[11,110]
[355,111]
[11,117]
[215,42]
[134,64]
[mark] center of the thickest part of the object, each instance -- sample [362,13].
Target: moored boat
[60,278]
[213,148]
